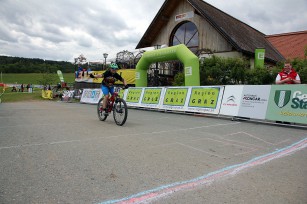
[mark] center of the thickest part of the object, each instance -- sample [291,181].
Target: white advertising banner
[231,100]
[91,96]
[254,101]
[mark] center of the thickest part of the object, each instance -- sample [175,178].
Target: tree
[47,78]
[223,71]
[229,71]
[260,76]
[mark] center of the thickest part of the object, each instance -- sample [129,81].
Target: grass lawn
[9,96]
[33,78]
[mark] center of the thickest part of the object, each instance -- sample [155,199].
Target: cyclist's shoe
[105,113]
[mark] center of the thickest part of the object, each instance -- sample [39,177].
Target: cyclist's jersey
[109,78]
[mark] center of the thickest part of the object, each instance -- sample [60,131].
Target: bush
[222,71]
[261,76]
[228,71]
[179,79]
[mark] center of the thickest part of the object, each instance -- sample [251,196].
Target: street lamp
[105,55]
[156,71]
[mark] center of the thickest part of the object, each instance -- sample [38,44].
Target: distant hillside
[28,65]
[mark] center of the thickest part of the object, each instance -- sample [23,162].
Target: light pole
[105,55]
[156,71]
[76,65]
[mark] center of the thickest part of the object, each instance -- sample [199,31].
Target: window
[185,33]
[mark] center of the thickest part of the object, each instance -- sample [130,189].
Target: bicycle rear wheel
[120,111]
[100,110]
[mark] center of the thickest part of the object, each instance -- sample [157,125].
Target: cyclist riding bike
[107,85]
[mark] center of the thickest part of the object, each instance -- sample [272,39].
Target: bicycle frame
[116,104]
[111,101]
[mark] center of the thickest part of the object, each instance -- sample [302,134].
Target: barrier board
[151,97]
[231,100]
[205,99]
[91,96]
[277,102]
[133,97]
[175,98]
[288,103]
[254,101]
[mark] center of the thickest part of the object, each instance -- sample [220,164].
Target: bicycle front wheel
[100,110]
[120,111]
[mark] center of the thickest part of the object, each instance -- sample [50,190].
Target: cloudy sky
[64,29]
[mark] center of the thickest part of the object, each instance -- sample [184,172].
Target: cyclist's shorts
[106,90]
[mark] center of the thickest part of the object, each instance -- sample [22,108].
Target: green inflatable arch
[178,52]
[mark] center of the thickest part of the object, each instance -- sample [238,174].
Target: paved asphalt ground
[53,152]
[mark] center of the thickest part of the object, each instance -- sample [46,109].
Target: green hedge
[230,71]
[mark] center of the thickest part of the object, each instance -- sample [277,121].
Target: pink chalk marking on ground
[162,191]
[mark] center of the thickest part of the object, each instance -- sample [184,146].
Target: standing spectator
[288,75]
[22,87]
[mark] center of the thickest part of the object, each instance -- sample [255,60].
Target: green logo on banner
[282,98]
[151,96]
[288,103]
[204,97]
[175,96]
[134,95]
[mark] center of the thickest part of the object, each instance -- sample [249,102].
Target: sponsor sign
[288,103]
[151,97]
[128,74]
[133,96]
[231,100]
[259,57]
[175,98]
[188,71]
[59,72]
[184,16]
[137,75]
[254,101]
[205,99]
[91,96]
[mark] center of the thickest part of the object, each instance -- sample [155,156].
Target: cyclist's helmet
[113,66]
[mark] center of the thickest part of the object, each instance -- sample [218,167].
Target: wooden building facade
[206,30]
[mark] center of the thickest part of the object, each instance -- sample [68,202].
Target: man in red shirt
[288,75]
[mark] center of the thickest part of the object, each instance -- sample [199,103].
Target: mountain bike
[115,104]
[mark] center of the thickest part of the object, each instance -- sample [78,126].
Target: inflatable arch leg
[178,52]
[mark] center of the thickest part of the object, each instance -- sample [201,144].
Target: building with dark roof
[206,30]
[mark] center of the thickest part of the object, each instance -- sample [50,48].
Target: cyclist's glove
[92,76]
[126,87]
